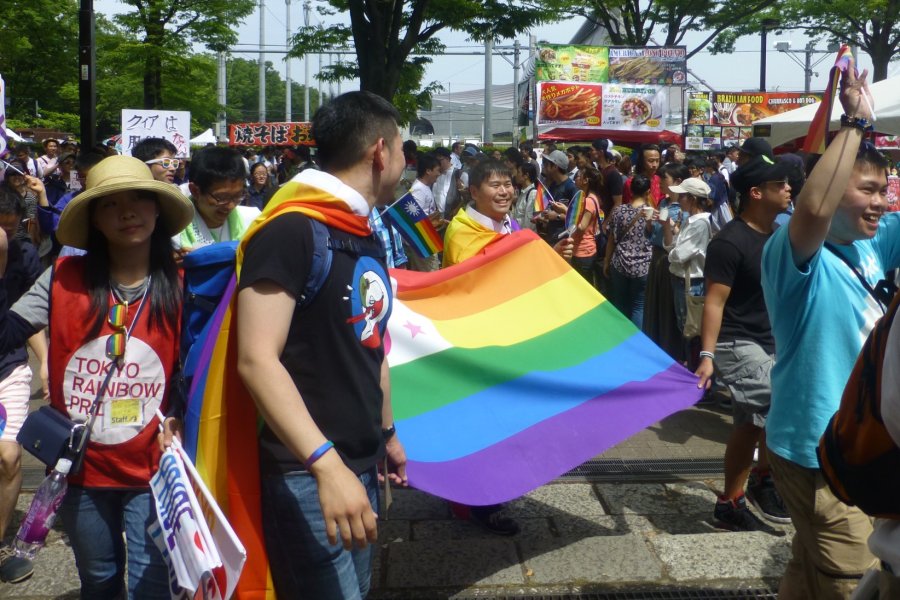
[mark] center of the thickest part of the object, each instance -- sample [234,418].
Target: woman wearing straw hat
[114,320]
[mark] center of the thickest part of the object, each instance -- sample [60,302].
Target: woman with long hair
[114,329]
[261,187]
[660,324]
[590,181]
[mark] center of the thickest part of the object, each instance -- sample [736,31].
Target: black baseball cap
[757,146]
[758,171]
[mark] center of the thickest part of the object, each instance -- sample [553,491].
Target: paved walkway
[576,536]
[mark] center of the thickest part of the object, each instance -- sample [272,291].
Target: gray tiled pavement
[576,536]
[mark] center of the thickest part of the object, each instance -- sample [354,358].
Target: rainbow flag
[817,137]
[542,198]
[414,225]
[575,211]
[509,369]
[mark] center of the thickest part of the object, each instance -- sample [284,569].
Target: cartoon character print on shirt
[136,389]
[370,301]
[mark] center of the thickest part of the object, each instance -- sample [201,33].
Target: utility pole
[320,81]
[488,134]
[515,94]
[287,62]
[532,87]
[262,61]
[807,67]
[87,90]
[221,89]
[306,68]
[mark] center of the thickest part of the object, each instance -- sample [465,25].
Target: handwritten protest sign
[173,125]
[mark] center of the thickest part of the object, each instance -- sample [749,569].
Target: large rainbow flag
[507,370]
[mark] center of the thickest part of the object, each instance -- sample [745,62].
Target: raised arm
[823,191]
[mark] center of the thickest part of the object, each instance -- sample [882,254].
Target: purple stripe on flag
[529,459]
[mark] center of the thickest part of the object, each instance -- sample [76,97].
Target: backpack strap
[321,262]
[884,291]
[324,247]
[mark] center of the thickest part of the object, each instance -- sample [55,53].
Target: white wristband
[709,355]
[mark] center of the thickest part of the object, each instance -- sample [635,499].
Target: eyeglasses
[777,182]
[221,201]
[165,163]
[115,344]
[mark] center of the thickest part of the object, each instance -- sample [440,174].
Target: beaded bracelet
[319,452]
[709,355]
[860,123]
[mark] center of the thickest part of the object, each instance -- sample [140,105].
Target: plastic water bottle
[42,512]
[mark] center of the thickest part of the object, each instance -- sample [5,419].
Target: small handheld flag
[576,210]
[817,138]
[542,198]
[414,225]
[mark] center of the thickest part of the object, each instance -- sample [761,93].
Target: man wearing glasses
[159,155]
[218,186]
[736,340]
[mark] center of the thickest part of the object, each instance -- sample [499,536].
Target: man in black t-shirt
[613,182]
[554,171]
[737,337]
[315,364]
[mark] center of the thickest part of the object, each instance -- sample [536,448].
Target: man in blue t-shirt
[820,275]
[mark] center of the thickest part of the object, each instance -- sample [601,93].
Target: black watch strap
[388,433]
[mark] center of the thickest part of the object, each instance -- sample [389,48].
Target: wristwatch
[388,433]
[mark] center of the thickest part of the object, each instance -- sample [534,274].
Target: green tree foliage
[38,51]
[166,29]
[663,22]
[392,39]
[870,25]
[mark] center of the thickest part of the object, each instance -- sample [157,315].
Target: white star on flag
[413,208]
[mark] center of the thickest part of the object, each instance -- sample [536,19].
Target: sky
[725,72]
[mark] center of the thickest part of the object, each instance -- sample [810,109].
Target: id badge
[125,412]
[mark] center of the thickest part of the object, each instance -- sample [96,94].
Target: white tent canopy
[795,123]
[204,138]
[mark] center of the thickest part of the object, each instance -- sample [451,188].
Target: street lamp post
[807,63]
[767,24]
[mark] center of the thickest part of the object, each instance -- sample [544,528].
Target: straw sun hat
[118,174]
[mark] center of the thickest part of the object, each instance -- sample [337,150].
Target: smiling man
[821,278]
[218,187]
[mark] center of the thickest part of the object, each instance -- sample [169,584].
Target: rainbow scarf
[221,416]
[509,369]
[465,237]
[817,138]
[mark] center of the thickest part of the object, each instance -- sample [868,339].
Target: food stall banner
[648,65]
[270,134]
[557,62]
[720,119]
[602,106]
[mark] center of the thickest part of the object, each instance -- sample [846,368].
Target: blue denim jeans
[303,564]
[94,520]
[627,294]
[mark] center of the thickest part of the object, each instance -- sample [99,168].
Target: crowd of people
[755,271]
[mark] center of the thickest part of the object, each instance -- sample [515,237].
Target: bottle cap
[63,465]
